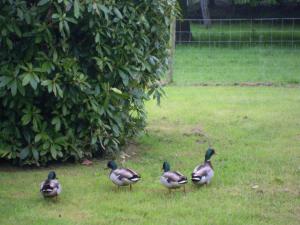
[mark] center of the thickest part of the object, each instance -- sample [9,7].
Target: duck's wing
[42,185]
[182,178]
[133,172]
[197,168]
[202,170]
[178,173]
[175,177]
[127,174]
[170,176]
[46,186]
[50,185]
[57,186]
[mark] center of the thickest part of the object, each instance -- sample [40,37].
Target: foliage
[183,6]
[74,75]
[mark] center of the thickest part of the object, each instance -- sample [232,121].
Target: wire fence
[240,32]
[237,50]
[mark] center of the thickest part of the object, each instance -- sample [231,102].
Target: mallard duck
[172,179]
[50,187]
[203,174]
[122,176]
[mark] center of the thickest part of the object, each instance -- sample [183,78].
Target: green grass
[198,65]
[255,131]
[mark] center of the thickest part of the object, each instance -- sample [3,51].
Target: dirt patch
[290,190]
[201,141]
[253,84]
[276,188]
[74,215]
[87,162]
[199,133]
[245,84]
[130,151]
[196,131]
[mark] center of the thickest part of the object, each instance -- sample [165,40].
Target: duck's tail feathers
[183,180]
[46,191]
[46,188]
[196,178]
[135,178]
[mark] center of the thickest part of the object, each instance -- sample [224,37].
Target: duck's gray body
[173,179]
[203,174]
[124,176]
[50,188]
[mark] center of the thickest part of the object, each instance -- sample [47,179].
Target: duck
[122,176]
[172,179]
[50,187]
[203,173]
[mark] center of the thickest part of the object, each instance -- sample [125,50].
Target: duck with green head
[203,173]
[172,179]
[50,187]
[122,176]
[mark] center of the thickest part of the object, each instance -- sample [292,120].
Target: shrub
[74,75]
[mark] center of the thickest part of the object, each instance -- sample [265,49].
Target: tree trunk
[205,13]
[172,51]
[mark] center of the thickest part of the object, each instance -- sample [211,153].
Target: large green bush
[74,74]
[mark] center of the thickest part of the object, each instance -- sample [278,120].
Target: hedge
[74,75]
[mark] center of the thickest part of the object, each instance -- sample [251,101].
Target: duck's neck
[166,170]
[112,171]
[166,167]
[114,167]
[207,162]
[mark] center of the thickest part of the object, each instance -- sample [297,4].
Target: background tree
[205,12]
[183,30]
[206,5]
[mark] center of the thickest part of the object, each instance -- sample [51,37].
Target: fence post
[172,51]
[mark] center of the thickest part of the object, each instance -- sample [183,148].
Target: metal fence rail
[237,50]
[240,32]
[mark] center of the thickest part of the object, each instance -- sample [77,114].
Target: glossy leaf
[75,75]
[43,2]
[24,153]
[76,9]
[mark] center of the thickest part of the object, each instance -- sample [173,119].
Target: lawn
[255,131]
[227,66]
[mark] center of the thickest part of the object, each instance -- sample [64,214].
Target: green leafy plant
[74,75]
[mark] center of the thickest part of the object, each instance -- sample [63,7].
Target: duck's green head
[209,153]
[166,166]
[51,175]
[112,165]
